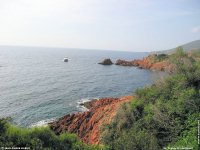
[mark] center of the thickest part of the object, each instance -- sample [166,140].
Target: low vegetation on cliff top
[38,139]
[164,115]
[194,54]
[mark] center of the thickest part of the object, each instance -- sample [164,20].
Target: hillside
[194,45]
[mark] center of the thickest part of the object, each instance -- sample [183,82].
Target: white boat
[65,60]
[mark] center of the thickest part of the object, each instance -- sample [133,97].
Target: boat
[65,60]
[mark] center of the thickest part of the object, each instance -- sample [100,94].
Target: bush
[39,138]
[162,57]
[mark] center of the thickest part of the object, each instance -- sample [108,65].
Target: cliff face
[148,63]
[87,124]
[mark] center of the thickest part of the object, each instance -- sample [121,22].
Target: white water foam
[80,103]
[42,123]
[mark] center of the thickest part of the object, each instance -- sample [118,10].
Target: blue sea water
[37,86]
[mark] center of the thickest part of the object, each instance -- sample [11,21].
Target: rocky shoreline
[87,124]
[146,63]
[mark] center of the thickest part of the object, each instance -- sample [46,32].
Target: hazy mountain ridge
[194,45]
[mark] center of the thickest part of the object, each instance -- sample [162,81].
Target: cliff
[87,124]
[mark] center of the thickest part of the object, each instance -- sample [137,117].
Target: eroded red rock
[147,63]
[87,124]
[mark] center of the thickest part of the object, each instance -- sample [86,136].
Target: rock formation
[148,63]
[106,62]
[87,124]
[124,63]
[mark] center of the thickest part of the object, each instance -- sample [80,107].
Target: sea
[37,86]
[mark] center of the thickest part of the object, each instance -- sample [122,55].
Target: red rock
[147,63]
[87,124]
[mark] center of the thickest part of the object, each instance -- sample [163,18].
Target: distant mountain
[194,45]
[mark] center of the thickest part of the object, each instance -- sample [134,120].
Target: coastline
[81,105]
[86,125]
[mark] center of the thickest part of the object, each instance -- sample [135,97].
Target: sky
[127,25]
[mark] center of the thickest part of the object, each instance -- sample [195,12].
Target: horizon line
[116,50]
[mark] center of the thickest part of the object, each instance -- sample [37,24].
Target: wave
[42,123]
[80,106]
[80,103]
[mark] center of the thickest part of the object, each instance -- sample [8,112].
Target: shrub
[162,57]
[39,138]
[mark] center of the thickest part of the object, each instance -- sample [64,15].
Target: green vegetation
[163,115]
[194,54]
[158,57]
[39,138]
[161,57]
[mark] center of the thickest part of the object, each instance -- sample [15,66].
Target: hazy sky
[130,25]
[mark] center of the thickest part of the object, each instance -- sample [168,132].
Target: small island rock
[106,62]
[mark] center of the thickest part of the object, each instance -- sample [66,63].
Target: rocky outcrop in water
[87,124]
[106,62]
